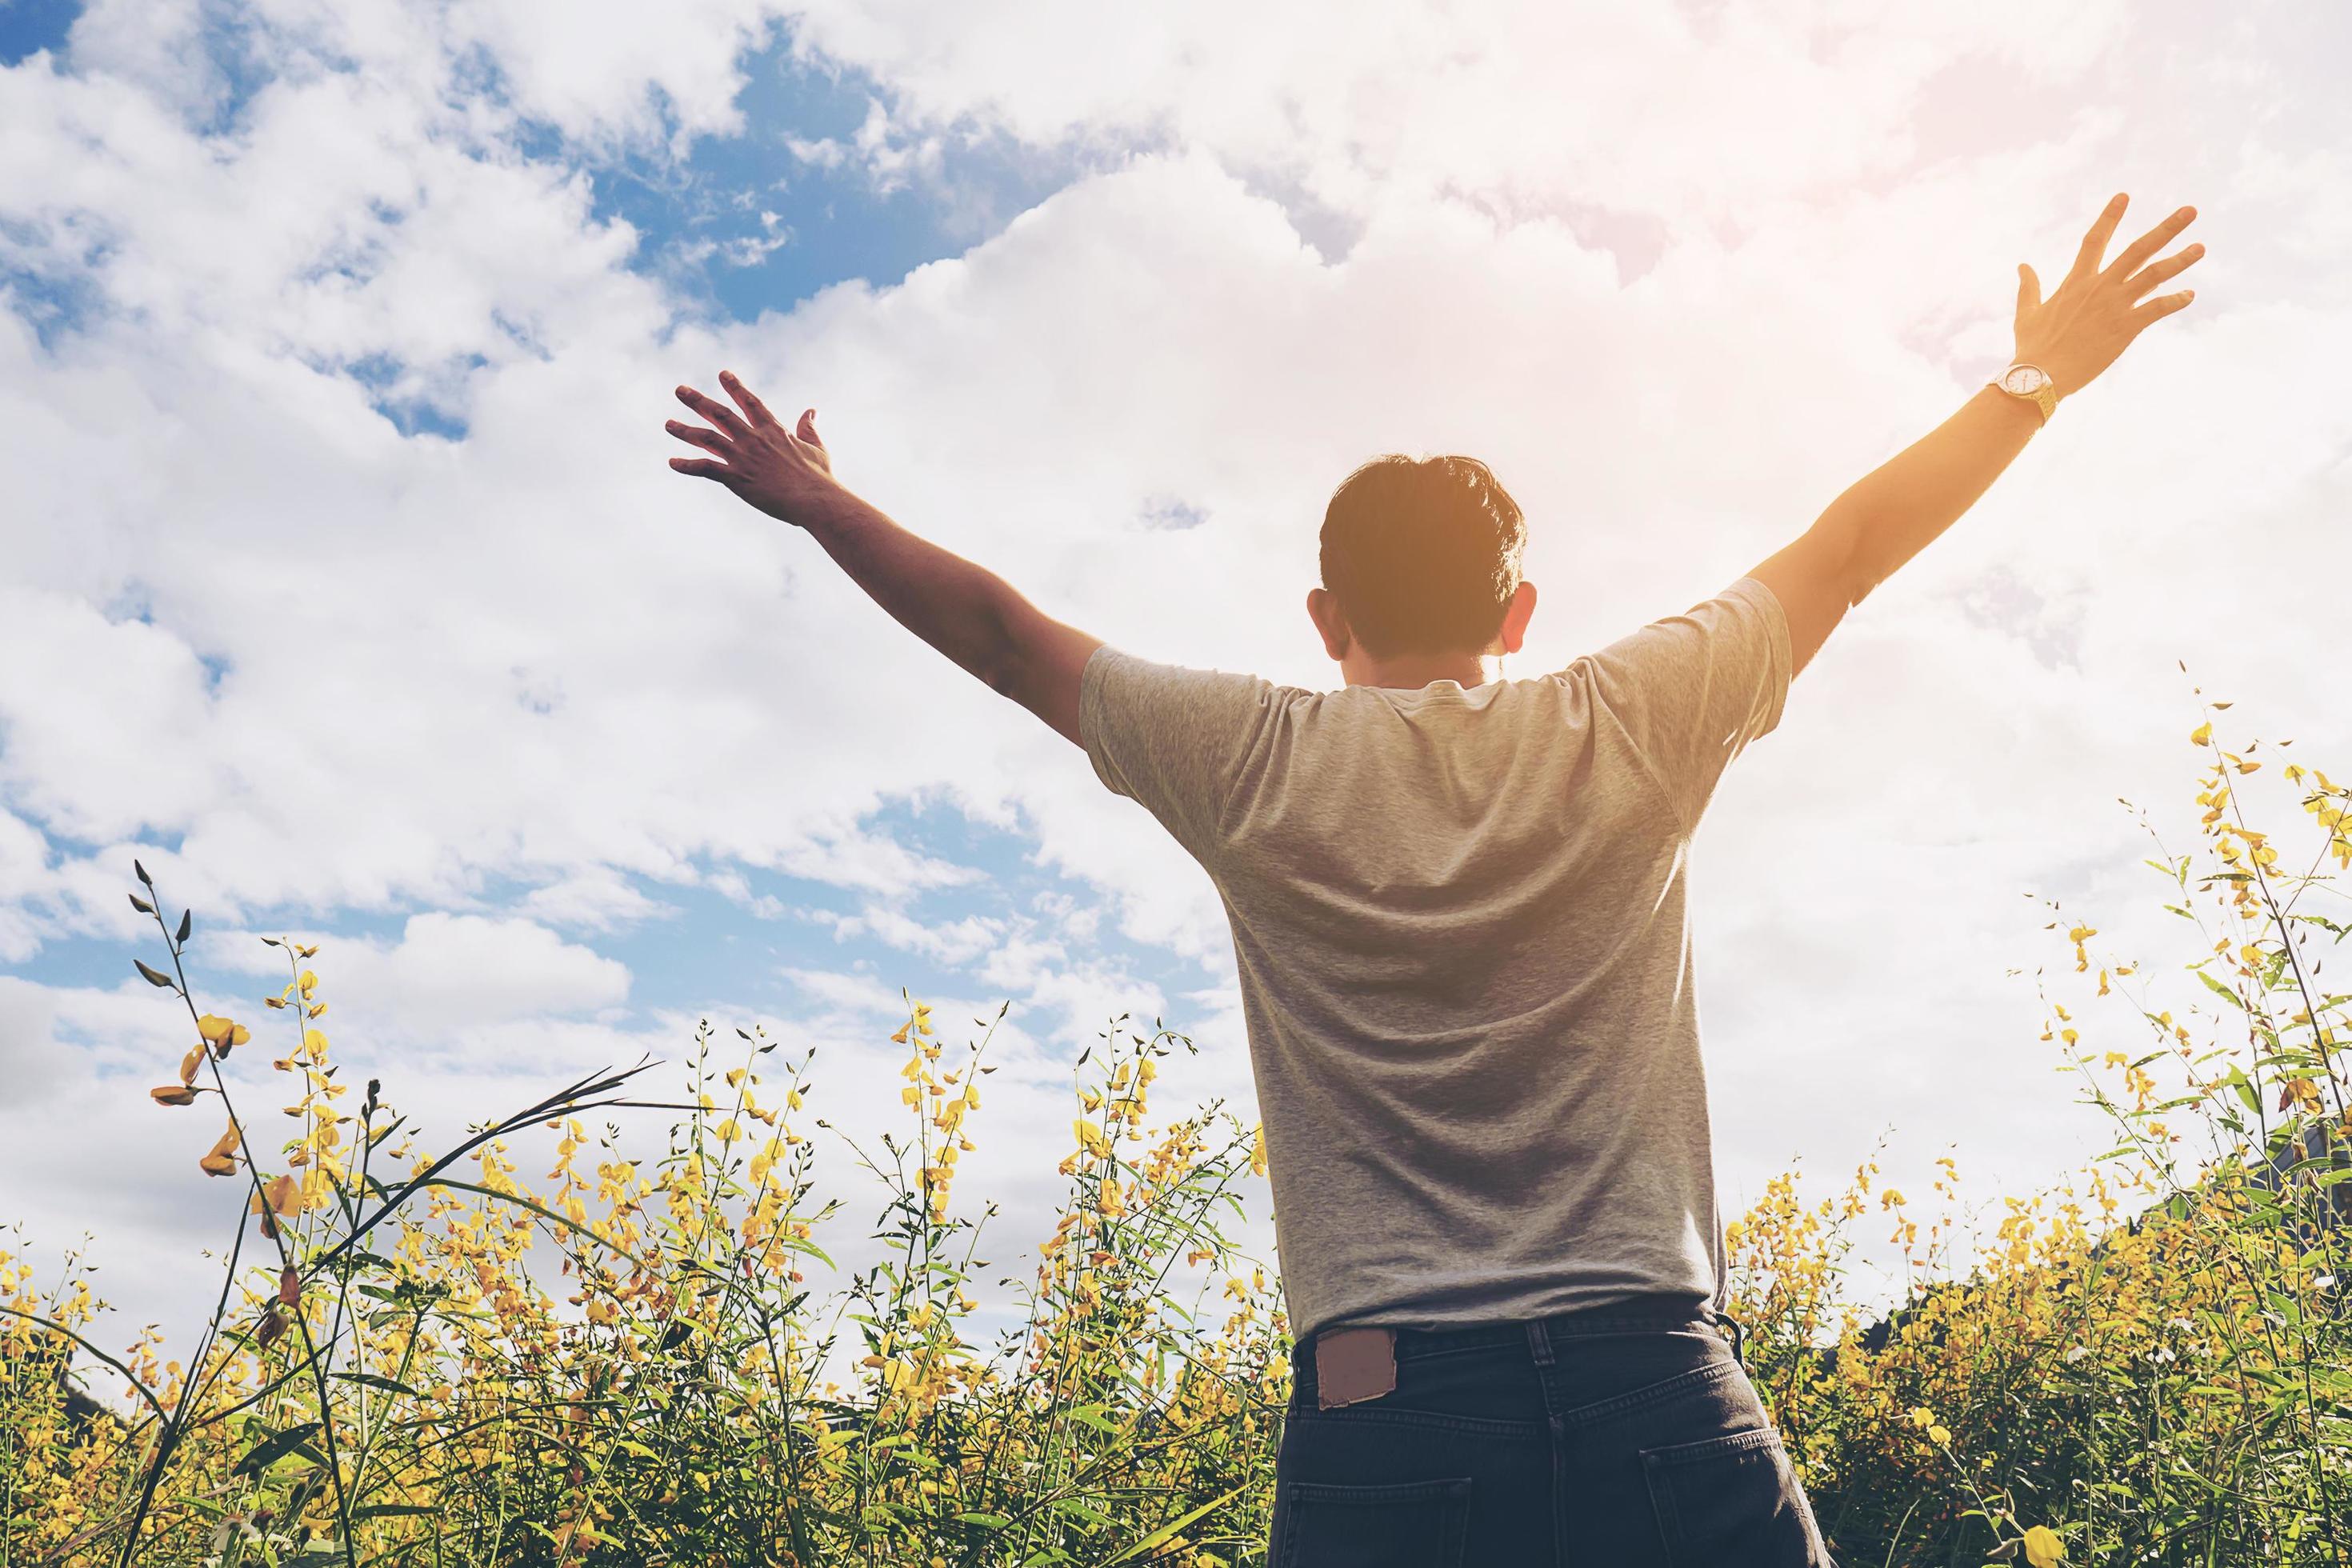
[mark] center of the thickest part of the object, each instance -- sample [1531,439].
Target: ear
[1516,616]
[1323,609]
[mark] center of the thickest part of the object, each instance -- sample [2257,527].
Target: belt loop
[1539,1341]
[1738,1338]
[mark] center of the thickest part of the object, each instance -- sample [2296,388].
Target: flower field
[424,1355]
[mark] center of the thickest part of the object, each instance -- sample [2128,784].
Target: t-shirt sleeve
[1173,739]
[1691,691]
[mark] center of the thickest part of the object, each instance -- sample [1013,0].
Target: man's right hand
[2097,310]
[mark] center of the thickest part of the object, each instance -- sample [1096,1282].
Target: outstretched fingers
[753,409]
[2156,272]
[2163,305]
[704,468]
[2095,243]
[2154,240]
[709,440]
[717,413]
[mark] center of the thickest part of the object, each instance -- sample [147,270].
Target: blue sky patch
[28,26]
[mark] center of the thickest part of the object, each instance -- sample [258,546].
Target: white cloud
[619,69]
[955,942]
[446,972]
[1618,110]
[595,898]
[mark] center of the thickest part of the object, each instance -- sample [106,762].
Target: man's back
[1458,919]
[1458,909]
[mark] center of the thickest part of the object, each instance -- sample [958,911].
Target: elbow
[996,658]
[1004,676]
[1860,578]
[1845,551]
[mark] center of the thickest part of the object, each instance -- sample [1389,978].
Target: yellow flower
[1940,1436]
[221,1033]
[1922,1417]
[2042,1547]
[222,1161]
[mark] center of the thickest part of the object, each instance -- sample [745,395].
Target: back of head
[1423,555]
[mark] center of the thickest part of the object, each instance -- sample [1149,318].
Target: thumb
[807,430]
[2029,288]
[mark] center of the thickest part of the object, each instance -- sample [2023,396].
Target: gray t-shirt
[1465,963]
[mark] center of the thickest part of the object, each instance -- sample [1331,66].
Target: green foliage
[420,1358]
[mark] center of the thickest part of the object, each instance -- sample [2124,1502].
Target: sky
[343,583]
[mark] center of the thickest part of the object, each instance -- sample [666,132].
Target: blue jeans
[1624,1437]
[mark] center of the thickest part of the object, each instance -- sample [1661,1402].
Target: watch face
[2024,380]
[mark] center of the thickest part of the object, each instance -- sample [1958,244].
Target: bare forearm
[1896,510]
[1893,512]
[965,611]
[968,614]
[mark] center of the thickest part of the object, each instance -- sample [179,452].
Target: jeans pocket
[1733,1498]
[1401,1524]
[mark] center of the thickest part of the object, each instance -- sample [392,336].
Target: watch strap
[2044,397]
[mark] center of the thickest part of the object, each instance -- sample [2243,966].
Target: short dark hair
[1423,555]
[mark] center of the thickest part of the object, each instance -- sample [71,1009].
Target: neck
[1412,671]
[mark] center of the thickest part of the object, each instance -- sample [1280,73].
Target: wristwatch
[2030,384]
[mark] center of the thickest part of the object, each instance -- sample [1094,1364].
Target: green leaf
[392,1509]
[369,1380]
[1153,1540]
[187,923]
[154,976]
[1079,1509]
[273,1447]
[987,1521]
[2219,989]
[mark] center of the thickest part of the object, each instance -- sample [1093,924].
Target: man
[1457,907]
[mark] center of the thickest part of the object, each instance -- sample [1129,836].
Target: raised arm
[966,612]
[1892,513]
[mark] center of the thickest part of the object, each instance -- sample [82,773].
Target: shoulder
[1113,670]
[1118,689]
